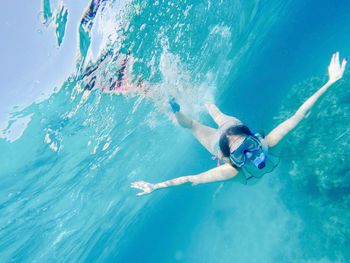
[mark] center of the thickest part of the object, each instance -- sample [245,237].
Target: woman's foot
[182,119]
[175,107]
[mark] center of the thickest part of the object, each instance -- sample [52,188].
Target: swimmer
[90,13]
[234,143]
[85,27]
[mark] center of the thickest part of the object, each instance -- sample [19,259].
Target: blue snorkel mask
[252,149]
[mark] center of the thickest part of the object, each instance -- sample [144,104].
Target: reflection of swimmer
[86,26]
[235,145]
[90,14]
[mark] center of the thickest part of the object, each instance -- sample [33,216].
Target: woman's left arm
[335,72]
[223,172]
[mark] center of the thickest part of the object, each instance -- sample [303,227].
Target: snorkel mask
[253,149]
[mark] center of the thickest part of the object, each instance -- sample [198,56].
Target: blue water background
[65,194]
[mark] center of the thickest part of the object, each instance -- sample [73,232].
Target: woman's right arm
[335,72]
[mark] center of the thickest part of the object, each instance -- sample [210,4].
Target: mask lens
[244,151]
[238,156]
[251,145]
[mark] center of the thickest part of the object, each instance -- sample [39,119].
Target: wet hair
[233,130]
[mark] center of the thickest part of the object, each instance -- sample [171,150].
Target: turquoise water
[67,160]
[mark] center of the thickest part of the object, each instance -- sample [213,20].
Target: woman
[234,144]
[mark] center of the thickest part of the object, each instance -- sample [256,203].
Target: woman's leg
[183,120]
[207,136]
[219,117]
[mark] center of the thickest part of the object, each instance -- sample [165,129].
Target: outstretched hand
[335,70]
[144,186]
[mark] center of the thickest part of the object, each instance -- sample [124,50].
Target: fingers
[137,185]
[335,69]
[336,62]
[337,58]
[332,59]
[134,185]
[343,64]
